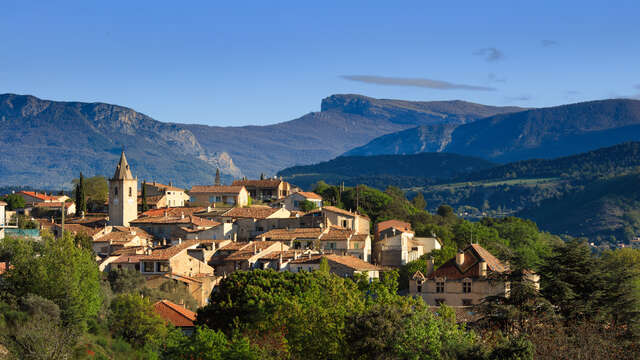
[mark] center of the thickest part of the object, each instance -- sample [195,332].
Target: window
[419,288]
[130,192]
[148,266]
[440,286]
[467,302]
[344,223]
[163,267]
[115,191]
[356,245]
[332,246]
[466,287]
[440,302]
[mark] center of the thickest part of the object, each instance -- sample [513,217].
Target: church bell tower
[123,195]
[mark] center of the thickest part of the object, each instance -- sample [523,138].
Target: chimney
[209,208]
[170,183]
[255,249]
[483,268]
[164,242]
[280,261]
[429,266]
[179,241]
[181,214]
[460,258]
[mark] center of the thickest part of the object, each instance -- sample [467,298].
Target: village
[199,236]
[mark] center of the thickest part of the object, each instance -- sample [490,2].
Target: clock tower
[123,195]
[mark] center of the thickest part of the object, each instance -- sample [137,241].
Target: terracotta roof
[174,313]
[473,254]
[115,237]
[359,237]
[261,212]
[130,250]
[168,253]
[349,261]
[336,233]
[234,246]
[395,224]
[240,255]
[342,211]
[292,234]
[128,259]
[190,219]
[247,250]
[4,266]
[309,195]
[37,195]
[286,254]
[122,169]
[151,200]
[162,186]
[266,183]
[2,203]
[55,204]
[79,228]
[172,211]
[215,189]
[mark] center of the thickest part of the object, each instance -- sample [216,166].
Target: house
[172,211]
[250,221]
[397,245]
[294,201]
[280,260]
[113,238]
[341,265]
[333,239]
[463,280]
[265,189]
[350,220]
[49,207]
[207,195]
[199,287]
[243,255]
[173,227]
[162,196]
[32,197]
[187,258]
[176,315]
[3,218]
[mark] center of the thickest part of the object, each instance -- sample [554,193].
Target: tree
[307,205]
[207,344]
[445,211]
[419,202]
[14,201]
[59,271]
[324,265]
[81,197]
[145,206]
[132,318]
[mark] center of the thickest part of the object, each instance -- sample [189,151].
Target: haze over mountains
[47,143]
[536,133]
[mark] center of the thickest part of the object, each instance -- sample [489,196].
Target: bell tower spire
[123,194]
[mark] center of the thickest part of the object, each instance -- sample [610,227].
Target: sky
[254,63]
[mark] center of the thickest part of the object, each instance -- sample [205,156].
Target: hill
[344,122]
[372,169]
[536,133]
[46,143]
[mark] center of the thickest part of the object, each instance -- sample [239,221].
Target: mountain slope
[537,133]
[371,170]
[344,122]
[47,143]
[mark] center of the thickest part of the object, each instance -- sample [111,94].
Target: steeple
[217,177]
[122,170]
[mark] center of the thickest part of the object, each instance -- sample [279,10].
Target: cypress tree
[81,200]
[145,207]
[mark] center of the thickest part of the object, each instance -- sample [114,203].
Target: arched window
[130,191]
[115,191]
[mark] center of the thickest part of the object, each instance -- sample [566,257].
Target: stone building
[341,265]
[265,189]
[464,280]
[123,195]
[211,195]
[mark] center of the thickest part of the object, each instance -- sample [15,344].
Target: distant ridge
[535,133]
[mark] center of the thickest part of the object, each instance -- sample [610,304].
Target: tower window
[130,191]
[115,191]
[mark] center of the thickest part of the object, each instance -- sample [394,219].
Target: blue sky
[240,63]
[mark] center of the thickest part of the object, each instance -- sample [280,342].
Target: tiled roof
[162,186]
[56,204]
[309,195]
[151,200]
[215,189]
[175,314]
[395,224]
[191,220]
[342,211]
[266,183]
[172,211]
[2,203]
[234,246]
[359,237]
[255,212]
[128,259]
[336,234]
[286,254]
[115,237]
[349,261]
[79,228]
[168,253]
[473,254]
[37,195]
[292,234]
[240,255]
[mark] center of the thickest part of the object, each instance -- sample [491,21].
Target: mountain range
[47,143]
[533,133]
